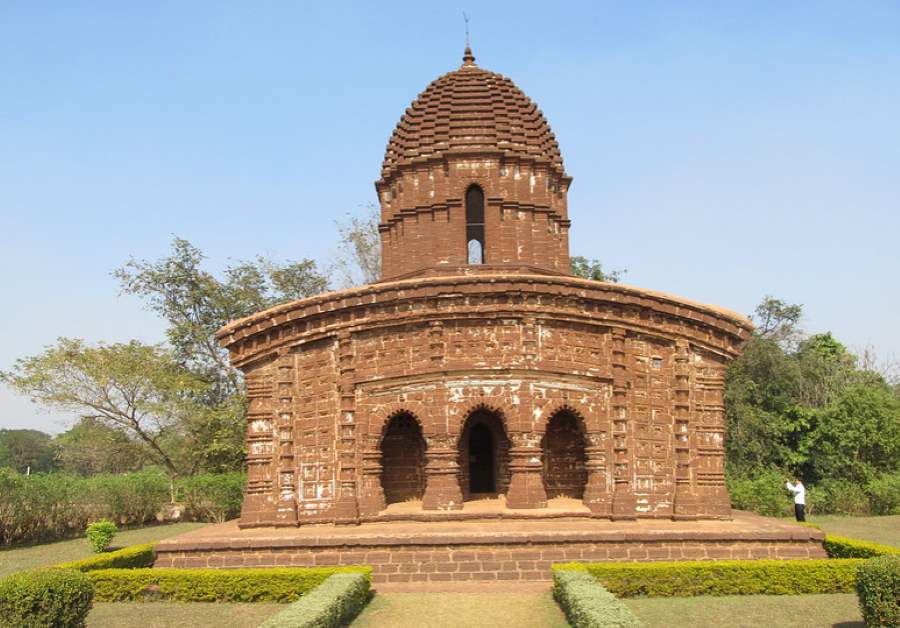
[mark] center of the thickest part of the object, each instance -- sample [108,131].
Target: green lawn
[876,529]
[19,558]
[751,611]
[174,614]
[503,609]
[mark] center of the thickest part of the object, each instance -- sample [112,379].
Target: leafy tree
[778,321]
[858,435]
[593,269]
[27,449]
[140,389]
[358,260]
[92,446]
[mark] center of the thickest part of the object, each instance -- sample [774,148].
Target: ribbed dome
[474,110]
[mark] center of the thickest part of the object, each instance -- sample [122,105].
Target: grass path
[876,529]
[19,558]
[501,609]
[179,615]
[749,611]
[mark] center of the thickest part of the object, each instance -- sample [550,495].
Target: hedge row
[333,604]
[842,547]
[878,588]
[43,507]
[56,598]
[133,557]
[586,603]
[726,577]
[286,584]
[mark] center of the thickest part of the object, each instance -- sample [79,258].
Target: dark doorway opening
[483,455]
[565,474]
[481,461]
[402,460]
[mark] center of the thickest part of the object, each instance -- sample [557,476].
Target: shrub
[878,589]
[838,497]
[725,577]
[52,598]
[764,494]
[100,534]
[841,547]
[884,494]
[212,496]
[211,585]
[132,557]
[332,604]
[586,603]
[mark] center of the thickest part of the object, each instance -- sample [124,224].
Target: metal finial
[468,57]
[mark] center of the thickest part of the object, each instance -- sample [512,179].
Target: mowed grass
[501,609]
[28,557]
[884,530]
[181,615]
[750,611]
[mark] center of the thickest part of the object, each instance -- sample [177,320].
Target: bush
[764,494]
[841,547]
[586,603]
[838,497]
[878,589]
[884,494]
[52,598]
[132,557]
[44,507]
[212,496]
[211,585]
[100,534]
[725,577]
[332,604]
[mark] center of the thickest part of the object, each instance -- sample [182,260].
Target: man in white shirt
[799,492]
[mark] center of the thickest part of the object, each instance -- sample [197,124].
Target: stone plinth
[482,549]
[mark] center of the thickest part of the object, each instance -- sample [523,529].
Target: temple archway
[484,455]
[565,474]
[402,459]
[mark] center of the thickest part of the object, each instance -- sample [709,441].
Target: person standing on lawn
[799,492]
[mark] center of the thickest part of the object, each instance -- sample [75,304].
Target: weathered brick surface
[587,389]
[520,561]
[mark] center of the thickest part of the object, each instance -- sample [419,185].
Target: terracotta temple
[479,365]
[479,413]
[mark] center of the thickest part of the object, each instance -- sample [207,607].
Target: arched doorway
[484,455]
[565,474]
[402,459]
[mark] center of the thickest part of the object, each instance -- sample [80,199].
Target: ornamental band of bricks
[388,392]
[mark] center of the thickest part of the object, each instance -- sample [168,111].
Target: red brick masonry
[488,550]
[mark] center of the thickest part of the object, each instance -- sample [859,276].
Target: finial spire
[468,57]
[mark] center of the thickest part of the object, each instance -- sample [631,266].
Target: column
[526,484]
[685,498]
[442,490]
[597,494]
[371,493]
[347,508]
[624,503]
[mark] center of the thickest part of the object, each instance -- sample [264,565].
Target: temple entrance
[402,460]
[484,455]
[481,461]
[565,474]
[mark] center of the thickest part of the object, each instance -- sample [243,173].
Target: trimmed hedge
[332,604]
[132,557]
[276,584]
[725,577]
[50,598]
[842,547]
[586,603]
[100,534]
[878,589]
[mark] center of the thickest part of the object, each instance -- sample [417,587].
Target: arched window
[475,225]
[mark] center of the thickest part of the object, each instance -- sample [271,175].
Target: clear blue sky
[720,151]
